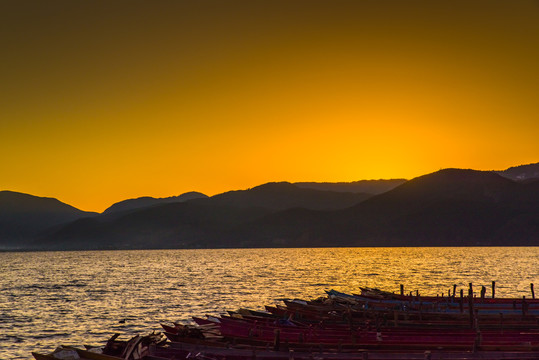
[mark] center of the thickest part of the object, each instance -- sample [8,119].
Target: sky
[101,101]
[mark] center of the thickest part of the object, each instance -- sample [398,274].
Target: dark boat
[372,325]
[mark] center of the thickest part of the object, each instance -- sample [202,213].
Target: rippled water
[75,298]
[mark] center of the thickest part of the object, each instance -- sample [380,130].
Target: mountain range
[23,216]
[451,207]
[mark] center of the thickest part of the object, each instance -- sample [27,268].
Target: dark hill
[451,207]
[196,223]
[175,225]
[373,187]
[522,172]
[23,216]
[284,195]
[141,202]
[448,184]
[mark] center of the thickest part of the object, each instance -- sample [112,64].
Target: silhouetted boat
[372,325]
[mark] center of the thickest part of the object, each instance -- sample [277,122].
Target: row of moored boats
[373,324]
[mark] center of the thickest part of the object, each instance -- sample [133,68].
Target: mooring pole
[524,306]
[470,305]
[277,340]
[461,304]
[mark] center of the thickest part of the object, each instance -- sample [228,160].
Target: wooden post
[483,292]
[454,289]
[470,305]
[477,342]
[533,292]
[402,289]
[493,288]
[277,340]
[461,304]
[349,314]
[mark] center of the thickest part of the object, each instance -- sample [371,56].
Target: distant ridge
[23,216]
[373,187]
[284,195]
[450,207]
[141,202]
[198,223]
[522,172]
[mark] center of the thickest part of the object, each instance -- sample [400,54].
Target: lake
[75,298]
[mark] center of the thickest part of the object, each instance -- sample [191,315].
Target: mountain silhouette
[188,224]
[23,216]
[284,195]
[141,202]
[372,187]
[450,207]
[521,173]
[200,222]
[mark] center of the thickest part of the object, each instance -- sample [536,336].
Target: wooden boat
[372,325]
[380,294]
[397,310]
[88,355]
[210,352]
[73,353]
[437,304]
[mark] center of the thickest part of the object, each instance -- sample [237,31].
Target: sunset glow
[106,100]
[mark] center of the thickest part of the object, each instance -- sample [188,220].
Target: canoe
[357,354]
[69,352]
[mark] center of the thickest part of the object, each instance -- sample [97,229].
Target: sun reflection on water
[75,298]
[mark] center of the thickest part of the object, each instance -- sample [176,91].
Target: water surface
[75,298]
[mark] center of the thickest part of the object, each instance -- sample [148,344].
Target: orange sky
[106,100]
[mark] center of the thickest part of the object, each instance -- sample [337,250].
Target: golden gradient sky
[106,100]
